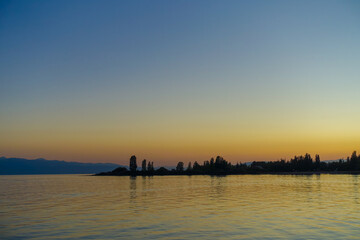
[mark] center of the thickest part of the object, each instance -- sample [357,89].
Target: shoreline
[226,174]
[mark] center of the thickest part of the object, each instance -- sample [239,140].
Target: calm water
[180,207]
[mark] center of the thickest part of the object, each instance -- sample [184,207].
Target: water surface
[180,207]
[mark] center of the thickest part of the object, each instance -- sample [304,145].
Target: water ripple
[180,207]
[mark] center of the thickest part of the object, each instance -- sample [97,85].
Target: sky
[169,81]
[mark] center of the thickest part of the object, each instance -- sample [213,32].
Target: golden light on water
[201,207]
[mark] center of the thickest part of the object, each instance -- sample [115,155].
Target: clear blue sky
[170,80]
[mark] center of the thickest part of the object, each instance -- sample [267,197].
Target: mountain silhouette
[13,166]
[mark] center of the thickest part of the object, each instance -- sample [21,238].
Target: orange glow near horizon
[166,146]
[169,82]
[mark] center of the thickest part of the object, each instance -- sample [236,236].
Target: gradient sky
[98,81]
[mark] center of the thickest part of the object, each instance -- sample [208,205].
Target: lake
[180,207]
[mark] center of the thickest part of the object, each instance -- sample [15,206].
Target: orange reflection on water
[232,207]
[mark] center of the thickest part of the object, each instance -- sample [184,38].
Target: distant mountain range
[13,166]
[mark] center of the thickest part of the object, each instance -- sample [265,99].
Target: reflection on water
[132,189]
[180,207]
[355,179]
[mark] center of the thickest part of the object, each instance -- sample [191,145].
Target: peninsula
[219,166]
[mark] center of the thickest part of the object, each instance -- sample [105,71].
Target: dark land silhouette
[219,166]
[14,166]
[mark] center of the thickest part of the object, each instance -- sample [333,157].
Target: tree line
[219,166]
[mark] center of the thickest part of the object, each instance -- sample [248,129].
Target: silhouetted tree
[150,167]
[180,167]
[133,165]
[354,161]
[220,166]
[317,162]
[353,156]
[189,168]
[212,164]
[143,165]
[196,166]
[308,162]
